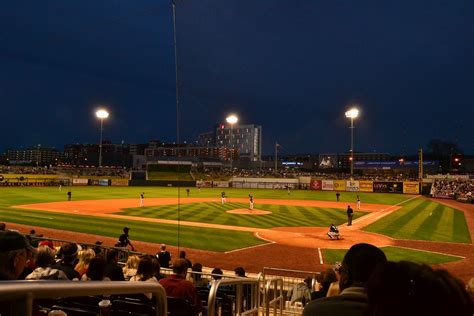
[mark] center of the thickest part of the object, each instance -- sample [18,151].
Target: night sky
[292,66]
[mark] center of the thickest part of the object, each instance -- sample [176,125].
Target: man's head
[180,267]
[68,253]
[358,265]
[125,230]
[163,247]
[182,254]
[218,272]
[240,272]
[14,253]
[112,255]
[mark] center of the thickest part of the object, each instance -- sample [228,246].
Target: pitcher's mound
[248,212]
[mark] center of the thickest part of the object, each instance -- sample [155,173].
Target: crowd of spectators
[292,173]
[368,284]
[66,170]
[453,189]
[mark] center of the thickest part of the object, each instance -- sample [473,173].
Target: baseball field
[284,230]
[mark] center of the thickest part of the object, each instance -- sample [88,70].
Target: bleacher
[257,294]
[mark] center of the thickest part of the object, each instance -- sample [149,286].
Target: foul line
[320,256]
[246,248]
[384,210]
[422,250]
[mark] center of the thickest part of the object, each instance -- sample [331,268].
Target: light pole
[101,115]
[352,114]
[231,119]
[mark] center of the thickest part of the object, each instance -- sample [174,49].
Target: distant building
[245,139]
[191,151]
[88,154]
[343,160]
[38,155]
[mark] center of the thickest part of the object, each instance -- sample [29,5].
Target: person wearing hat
[68,255]
[14,253]
[124,239]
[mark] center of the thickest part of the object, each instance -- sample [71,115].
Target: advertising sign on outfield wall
[388,187]
[327,185]
[104,182]
[352,186]
[339,185]
[119,182]
[366,186]
[411,187]
[80,181]
[316,185]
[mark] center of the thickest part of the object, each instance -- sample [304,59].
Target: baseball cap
[10,240]
[47,243]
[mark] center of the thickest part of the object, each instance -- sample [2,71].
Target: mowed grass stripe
[216,213]
[423,219]
[192,237]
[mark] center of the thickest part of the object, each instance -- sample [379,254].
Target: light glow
[232,119]
[102,114]
[352,113]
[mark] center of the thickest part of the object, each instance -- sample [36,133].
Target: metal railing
[273,297]
[246,296]
[24,292]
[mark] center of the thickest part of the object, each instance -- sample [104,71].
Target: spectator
[333,289]
[44,261]
[3,227]
[96,270]
[145,273]
[300,292]
[157,268]
[14,253]
[84,256]
[197,278]
[326,279]
[407,288]
[98,247]
[68,260]
[182,255]
[176,285]
[164,257]
[112,269]
[240,272]
[357,266]
[130,269]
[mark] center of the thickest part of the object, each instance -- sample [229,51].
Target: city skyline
[292,67]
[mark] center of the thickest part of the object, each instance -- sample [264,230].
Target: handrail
[238,283]
[277,286]
[25,291]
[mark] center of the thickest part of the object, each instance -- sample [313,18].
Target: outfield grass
[412,221]
[395,254]
[423,219]
[191,237]
[25,195]
[215,213]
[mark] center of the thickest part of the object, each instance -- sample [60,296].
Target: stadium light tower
[352,114]
[231,119]
[101,115]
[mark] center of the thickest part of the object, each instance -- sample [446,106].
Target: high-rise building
[34,155]
[245,139]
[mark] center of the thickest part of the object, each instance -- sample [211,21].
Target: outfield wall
[406,187]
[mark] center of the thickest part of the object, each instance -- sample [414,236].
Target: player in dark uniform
[350,214]
[124,239]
